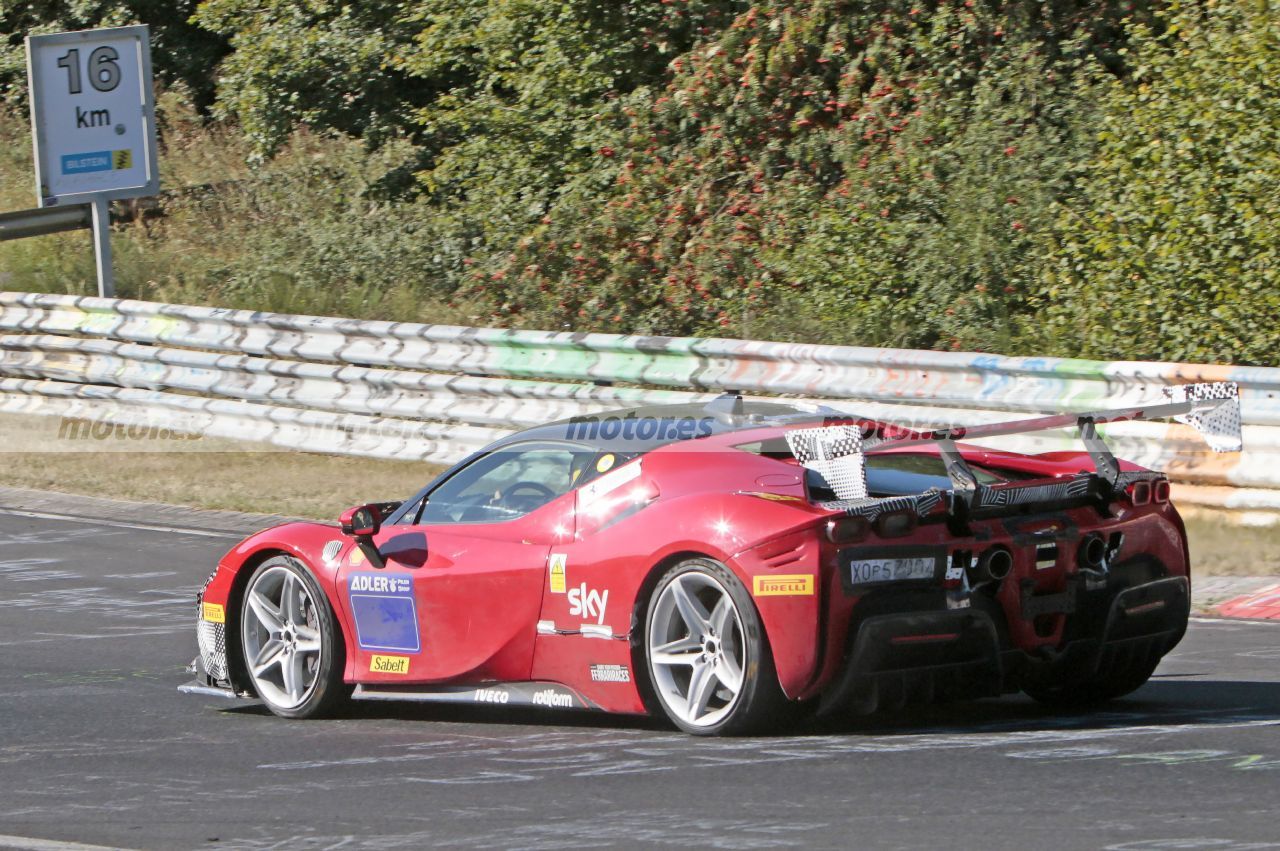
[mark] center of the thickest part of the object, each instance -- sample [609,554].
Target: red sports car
[727,566]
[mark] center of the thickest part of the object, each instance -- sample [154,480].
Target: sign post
[93,124]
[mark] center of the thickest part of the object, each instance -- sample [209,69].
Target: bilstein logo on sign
[790,585]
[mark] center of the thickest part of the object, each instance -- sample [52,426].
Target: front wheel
[707,655]
[289,638]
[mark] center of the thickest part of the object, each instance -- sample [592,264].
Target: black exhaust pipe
[993,566]
[1092,554]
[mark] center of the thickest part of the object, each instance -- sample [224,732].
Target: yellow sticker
[213,612]
[775,497]
[557,563]
[789,585]
[122,159]
[605,464]
[357,557]
[389,664]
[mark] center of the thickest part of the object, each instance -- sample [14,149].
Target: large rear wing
[838,452]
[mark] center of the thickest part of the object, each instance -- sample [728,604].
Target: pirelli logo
[213,612]
[788,585]
[389,664]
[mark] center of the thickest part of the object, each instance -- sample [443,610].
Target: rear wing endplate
[838,452]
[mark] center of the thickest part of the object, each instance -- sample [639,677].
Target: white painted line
[1235,621]
[24,843]
[121,524]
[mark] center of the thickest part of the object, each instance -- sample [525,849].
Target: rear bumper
[917,657]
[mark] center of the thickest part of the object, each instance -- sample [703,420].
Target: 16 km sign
[92,115]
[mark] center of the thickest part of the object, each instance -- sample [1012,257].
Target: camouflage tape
[274,366]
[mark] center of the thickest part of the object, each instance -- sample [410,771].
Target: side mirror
[362,523]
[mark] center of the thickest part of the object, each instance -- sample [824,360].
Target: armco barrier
[437,392]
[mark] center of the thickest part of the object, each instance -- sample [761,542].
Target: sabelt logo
[790,585]
[389,665]
[213,612]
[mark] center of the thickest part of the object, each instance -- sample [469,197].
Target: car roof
[652,426]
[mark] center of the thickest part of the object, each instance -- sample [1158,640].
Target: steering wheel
[538,488]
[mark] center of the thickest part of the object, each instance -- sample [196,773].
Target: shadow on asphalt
[1164,701]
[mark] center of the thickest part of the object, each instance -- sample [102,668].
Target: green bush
[1171,247]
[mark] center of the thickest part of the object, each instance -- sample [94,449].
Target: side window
[506,484]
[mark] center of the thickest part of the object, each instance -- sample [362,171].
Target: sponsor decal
[96,160]
[384,610]
[610,674]
[389,664]
[213,612]
[491,695]
[789,585]
[593,492]
[773,497]
[556,564]
[552,698]
[605,463]
[632,427]
[587,603]
[356,558]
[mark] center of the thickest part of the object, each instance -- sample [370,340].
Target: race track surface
[98,748]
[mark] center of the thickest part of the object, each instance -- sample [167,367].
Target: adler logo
[380,584]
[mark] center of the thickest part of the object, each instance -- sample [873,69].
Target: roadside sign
[92,115]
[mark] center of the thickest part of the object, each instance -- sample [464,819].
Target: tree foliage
[181,52]
[1041,176]
[1171,249]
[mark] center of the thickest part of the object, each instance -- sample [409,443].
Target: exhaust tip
[1092,552]
[993,566]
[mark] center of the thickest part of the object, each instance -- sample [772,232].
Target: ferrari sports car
[731,567]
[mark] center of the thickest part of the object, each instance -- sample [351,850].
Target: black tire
[758,702]
[313,687]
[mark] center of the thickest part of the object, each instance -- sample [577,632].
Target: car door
[459,597]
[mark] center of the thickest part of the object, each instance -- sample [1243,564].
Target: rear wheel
[290,643]
[707,655]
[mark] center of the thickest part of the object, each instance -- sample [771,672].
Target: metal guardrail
[44,220]
[437,392]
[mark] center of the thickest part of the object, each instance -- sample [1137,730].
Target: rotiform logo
[632,427]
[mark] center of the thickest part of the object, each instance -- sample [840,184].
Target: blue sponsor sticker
[384,611]
[85,163]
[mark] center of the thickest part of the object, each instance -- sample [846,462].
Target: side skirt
[543,695]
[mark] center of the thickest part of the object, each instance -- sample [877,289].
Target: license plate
[872,570]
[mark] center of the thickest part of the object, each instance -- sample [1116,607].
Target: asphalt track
[98,748]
